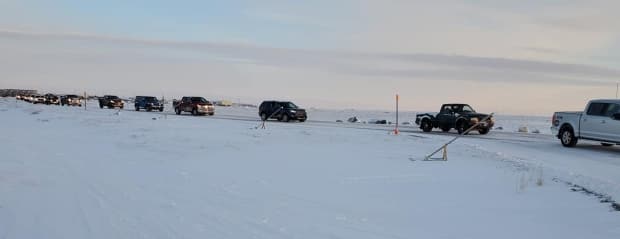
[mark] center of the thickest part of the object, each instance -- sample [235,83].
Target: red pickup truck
[195,105]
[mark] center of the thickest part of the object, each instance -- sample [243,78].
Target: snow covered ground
[66,172]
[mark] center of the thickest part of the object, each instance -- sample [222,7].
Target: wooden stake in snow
[445,146]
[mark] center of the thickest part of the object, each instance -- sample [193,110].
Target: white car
[600,122]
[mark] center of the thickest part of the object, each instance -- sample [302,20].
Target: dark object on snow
[353,120]
[338,121]
[381,122]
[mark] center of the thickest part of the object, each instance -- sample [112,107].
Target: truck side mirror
[616,116]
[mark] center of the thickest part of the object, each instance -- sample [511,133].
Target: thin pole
[617,84]
[396,128]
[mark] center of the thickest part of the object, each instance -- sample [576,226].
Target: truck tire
[567,137]
[137,108]
[607,144]
[285,118]
[177,110]
[161,109]
[263,117]
[484,130]
[100,106]
[194,111]
[461,126]
[445,129]
[426,125]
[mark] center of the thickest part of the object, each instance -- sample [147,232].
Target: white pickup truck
[600,122]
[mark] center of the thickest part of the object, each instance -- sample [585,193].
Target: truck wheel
[177,110]
[137,108]
[484,131]
[567,137]
[149,109]
[607,144]
[161,109]
[263,117]
[194,111]
[100,106]
[445,129]
[426,126]
[285,118]
[461,126]
[212,113]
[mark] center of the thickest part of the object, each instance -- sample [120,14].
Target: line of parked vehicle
[281,110]
[599,122]
[52,99]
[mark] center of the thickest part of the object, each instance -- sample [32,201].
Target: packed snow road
[73,173]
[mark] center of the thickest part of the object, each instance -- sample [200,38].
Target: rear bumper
[555,131]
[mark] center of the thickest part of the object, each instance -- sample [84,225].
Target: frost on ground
[70,173]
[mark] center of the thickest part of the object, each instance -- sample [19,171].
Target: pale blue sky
[519,57]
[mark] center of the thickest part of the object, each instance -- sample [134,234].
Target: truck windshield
[289,105]
[150,99]
[199,100]
[467,108]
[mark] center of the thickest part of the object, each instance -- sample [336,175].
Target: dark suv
[149,103]
[281,110]
[111,101]
[52,99]
[70,100]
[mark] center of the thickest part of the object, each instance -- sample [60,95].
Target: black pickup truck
[458,116]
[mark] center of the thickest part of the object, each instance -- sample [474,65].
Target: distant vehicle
[70,100]
[111,101]
[38,99]
[600,122]
[51,99]
[194,104]
[458,116]
[18,97]
[226,103]
[282,111]
[149,103]
[27,98]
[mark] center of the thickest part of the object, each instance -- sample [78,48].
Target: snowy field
[66,172]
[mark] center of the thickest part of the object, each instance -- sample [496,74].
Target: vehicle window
[467,108]
[446,109]
[113,97]
[290,105]
[597,109]
[199,100]
[150,99]
[612,109]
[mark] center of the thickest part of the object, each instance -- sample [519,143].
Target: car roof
[613,101]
